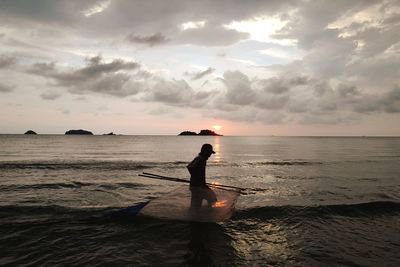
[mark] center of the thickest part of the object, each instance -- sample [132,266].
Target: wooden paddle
[224,187]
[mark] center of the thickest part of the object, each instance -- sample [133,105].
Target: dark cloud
[239,91]
[120,79]
[346,91]
[265,101]
[200,74]
[391,101]
[392,19]
[377,40]
[151,40]
[376,71]
[44,69]
[6,61]
[4,88]
[60,12]
[142,18]
[94,69]
[96,76]
[322,88]
[176,93]
[275,85]
[308,23]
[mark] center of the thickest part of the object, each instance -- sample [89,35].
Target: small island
[110,133]
[205,132]
[188,133]
[30,132]
[78,132]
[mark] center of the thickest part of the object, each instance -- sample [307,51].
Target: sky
[251,67]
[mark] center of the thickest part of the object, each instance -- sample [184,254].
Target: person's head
[207,150]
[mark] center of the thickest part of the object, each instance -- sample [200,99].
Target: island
[78,132]
[205,132]
[110,133]
[188,133]
[30,132]
[208,132]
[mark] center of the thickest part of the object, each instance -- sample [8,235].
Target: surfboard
[193,204]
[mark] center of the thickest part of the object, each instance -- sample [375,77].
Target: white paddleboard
[193,204]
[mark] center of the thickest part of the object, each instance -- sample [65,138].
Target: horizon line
[61,134]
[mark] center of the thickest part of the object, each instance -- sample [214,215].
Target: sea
[319,201]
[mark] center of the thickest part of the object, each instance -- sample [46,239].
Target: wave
[283,163]
[375,208]
[18,187]
[40,214]
[89,165]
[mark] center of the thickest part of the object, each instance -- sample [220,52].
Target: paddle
[223,187]
[185,181]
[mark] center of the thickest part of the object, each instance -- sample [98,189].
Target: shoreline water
[328,201]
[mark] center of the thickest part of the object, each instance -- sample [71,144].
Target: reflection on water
[268,243]
[209,245]
[217,148]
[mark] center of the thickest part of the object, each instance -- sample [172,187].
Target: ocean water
[325,201]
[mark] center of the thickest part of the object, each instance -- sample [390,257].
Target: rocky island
[188,133]
[30,132]
[78,132]
[205,132]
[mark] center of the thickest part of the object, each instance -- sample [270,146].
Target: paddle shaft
[219,185]
[172,179]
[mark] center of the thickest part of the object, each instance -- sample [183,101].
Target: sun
[217,127]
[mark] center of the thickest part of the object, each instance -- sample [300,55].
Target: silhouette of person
[198,186]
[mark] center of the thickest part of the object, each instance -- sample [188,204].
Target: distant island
[30,132]
[188,133]
[202,132]
[78,132]
[110,133]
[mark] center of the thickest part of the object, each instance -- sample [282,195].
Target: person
[198,185]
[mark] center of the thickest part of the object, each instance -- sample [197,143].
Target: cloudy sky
[252,67]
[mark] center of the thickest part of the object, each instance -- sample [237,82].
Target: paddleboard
[195,204]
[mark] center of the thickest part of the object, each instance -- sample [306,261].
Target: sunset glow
[219,204]
[217,127]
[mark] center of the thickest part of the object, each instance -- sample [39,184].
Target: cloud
[200,74]
[27,13]
[239,91]
[4,88]
[176,93]
[97,76]
[210,36]
[6,61]
[204,20]
[343,58]
[50,95]
[265,101]
[151,40]
[391,102]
